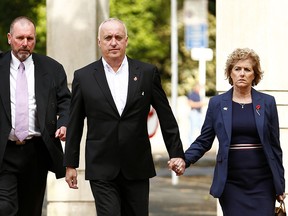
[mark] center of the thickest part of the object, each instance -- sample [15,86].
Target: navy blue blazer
[218,122]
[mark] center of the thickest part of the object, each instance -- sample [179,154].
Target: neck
[114,63]
[242,96]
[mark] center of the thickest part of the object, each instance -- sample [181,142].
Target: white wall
[262,26]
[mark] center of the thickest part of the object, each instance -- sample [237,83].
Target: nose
[24,42]
[242,71]
[113,41]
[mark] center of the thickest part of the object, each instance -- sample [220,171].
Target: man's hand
[71,177]
[177,165]
[61,133]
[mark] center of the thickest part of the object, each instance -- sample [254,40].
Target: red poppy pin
[257,109]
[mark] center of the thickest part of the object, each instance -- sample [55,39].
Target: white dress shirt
[29,71]
[118,83]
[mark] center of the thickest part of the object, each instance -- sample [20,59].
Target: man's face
[113,41]
[22,39]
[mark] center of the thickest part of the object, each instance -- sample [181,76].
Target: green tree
[143,20]
[148,24]
[35,9]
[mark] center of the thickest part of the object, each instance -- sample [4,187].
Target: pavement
[190,196]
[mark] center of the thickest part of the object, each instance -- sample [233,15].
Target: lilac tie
[21,107]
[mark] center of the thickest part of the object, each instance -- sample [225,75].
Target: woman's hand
[281,197]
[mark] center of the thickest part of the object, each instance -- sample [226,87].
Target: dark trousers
[121,197]
[23,177]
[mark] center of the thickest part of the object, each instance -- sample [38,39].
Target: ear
[126,41]
[9,36]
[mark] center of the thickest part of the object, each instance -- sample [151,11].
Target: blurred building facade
[260,25]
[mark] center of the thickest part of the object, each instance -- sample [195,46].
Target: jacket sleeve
[168,123]
[204,141]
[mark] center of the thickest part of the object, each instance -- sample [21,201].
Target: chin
[23,57]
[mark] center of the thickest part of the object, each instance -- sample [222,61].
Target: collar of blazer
[133,82]
[226,111]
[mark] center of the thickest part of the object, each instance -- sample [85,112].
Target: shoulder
[5,57]
[43,59]
[91,67]
[222,96]
[138,63]
[258,94]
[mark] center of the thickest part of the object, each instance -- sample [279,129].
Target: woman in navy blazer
[249,174]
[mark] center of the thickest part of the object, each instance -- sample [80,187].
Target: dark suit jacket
[218,122]
[52,100]
[117,143]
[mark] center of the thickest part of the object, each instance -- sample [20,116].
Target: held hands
[71,177]
[177,165]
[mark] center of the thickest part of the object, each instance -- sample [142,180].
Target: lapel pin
[143,93]
[225,108]
[135,78]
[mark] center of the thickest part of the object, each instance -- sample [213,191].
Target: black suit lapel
[5,84]
[133,83]
[100,77]
[41,89]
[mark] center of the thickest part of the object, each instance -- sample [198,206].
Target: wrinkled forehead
[113,27]
[23,26]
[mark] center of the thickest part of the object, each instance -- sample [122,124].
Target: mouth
[24,51]
[114,49]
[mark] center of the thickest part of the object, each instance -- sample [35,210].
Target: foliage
[149,32]
[35,9]
[148,24]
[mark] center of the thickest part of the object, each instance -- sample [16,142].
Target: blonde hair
[243,54]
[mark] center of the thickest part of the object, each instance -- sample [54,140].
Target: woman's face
[242,74]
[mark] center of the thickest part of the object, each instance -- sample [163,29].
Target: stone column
[260,25]
[72,28]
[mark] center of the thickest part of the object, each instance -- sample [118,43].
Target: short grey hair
[110,20]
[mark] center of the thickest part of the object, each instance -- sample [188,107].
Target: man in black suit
[115,94]
[25,161]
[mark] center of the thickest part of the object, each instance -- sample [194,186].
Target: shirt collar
[109,68]
[15,62]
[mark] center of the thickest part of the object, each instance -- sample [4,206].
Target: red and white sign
[152,122]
